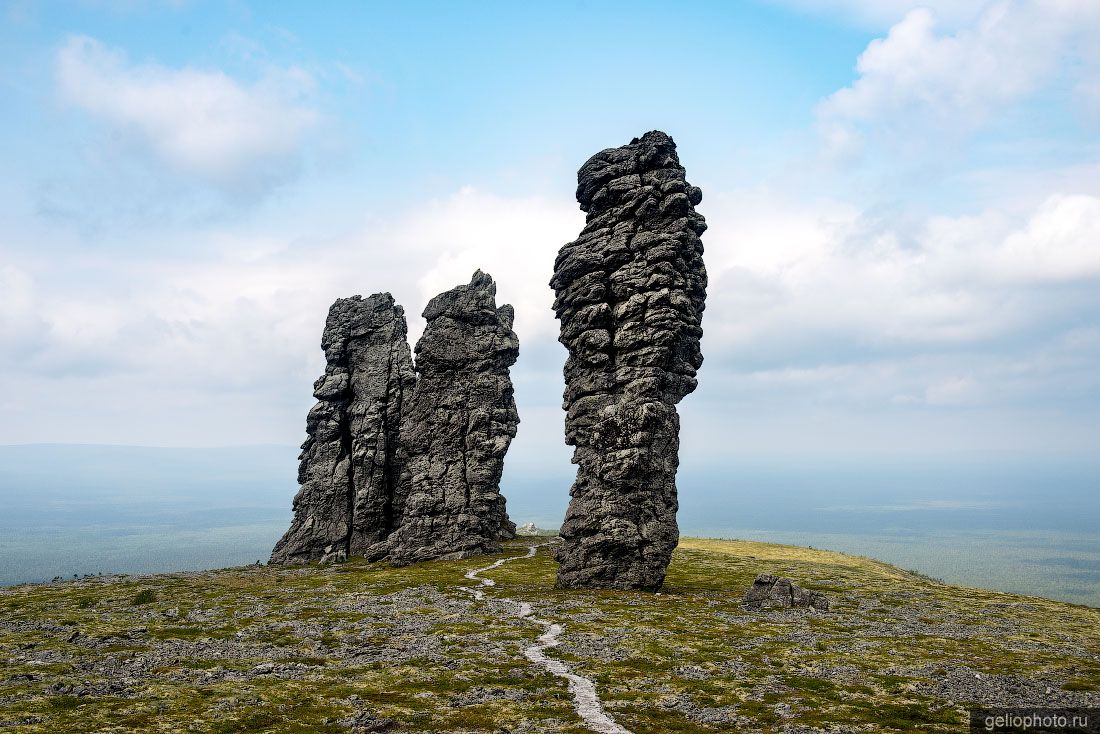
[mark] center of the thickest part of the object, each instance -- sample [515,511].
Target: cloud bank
[242,138]
[922,84]
[849,320]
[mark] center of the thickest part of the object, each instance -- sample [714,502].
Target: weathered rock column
[348,468]
[630,297]
[457,428]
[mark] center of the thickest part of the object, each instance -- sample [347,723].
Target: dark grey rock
[457,428]
[630,293]
[399,467]
[348,469]
[776,592]
[365,721]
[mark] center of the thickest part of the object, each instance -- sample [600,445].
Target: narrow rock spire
[457,428]
[348,467]
[630,294]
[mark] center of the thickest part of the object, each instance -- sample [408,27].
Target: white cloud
[20,327]
[1060,243]
[801,285]
[513,239]
[920,85]
[15,293]
[952,390]
[243,322]
[238,137]
[813,302]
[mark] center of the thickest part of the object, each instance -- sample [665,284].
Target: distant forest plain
[1028,525]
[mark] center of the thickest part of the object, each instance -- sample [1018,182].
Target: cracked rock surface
[457,428]
[776,592]
[348,471]
[399,467]
[630,293]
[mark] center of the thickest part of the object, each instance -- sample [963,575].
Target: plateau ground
[368,647]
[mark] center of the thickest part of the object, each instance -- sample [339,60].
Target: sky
[903,200]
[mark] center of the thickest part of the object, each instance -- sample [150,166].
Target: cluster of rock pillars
[403,456]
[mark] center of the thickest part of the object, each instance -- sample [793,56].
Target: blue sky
[904,202]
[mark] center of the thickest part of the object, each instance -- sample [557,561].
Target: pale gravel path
[585,700]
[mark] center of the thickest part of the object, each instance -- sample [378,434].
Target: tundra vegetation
[363,646]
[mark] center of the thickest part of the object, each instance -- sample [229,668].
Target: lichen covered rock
[630,294]
[457,428]
[777,592]
[348,468]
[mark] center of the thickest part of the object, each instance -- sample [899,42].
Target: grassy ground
[361,647]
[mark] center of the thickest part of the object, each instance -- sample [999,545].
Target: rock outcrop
[348,470]
[776,592]
[457,428]
[630,294]
[400,467]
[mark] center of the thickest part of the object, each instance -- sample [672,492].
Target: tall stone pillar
[348,467]
[457,428]
[630,293]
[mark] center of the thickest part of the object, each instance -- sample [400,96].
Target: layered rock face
[399,467]
[630,294]
[458,426]
[348,468]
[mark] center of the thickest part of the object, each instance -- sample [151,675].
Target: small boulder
[776,592]
[364,722]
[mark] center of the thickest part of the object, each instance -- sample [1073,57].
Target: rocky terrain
[366,647]
[630,293]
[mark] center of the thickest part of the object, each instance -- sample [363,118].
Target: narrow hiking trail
[585,700]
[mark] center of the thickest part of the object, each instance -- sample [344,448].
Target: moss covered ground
[367,647]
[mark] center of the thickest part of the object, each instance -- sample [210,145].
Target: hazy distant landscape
[1027,525]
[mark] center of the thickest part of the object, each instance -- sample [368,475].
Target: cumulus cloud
[1060,243]
[813,299]
[242,322]
[239,137]
[920,83]
[822,312]
[513,239]
[826,299]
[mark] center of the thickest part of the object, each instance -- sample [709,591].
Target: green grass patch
[145,596]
